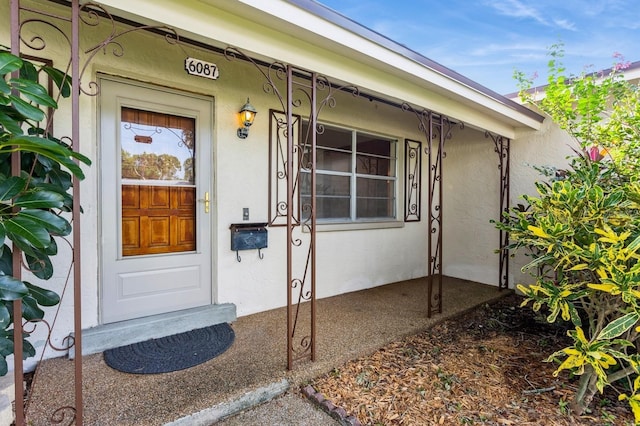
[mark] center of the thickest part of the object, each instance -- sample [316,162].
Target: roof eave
[307,34]
[465,84]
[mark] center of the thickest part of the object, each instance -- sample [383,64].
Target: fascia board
[351,45]
[242,24]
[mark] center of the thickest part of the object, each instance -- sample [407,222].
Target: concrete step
[108,336]
[232,407]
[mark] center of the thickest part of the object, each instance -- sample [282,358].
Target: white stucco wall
[471,184]
[347,260]
[550,146]
[240,176]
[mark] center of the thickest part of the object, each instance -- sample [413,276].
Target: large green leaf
[39,200]
[5,316]
[30,309]
[9,63]
[45,164]
[67,197]
[618,326]
[11,187]
[5,89]
[43,296]
[58,177]
[40,184]
[34,92]
[27,110]
[6,262]
[5,164]
[62,80]
[60,147]
[40,265]
[26,142]
[27,348]
[54,223]
[6,346]
[12,288]
[28,71]
[42,146]
[31,232]
[22,243]
[9,122]
[50,250]
[39,260]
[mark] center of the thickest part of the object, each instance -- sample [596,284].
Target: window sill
[354,226]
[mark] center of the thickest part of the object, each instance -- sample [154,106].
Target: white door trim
[187,280]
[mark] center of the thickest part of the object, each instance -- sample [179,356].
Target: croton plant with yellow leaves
[582,231]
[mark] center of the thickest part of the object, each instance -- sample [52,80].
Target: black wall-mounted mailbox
[248,236]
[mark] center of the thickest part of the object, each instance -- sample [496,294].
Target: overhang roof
[309,35]
[374,36]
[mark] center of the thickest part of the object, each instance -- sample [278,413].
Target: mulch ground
[485,367]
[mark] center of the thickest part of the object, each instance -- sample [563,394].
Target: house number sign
[201,68]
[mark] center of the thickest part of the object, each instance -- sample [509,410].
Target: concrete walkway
[287,410]
[253,370]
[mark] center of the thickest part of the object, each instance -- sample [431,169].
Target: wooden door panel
[159,232]
[159,197]
[186,236]
[157,219]
[130,198]
[131,233]
[185,198]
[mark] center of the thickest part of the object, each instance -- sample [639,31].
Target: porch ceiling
[311,36]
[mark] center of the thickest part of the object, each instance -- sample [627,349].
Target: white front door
[156,200]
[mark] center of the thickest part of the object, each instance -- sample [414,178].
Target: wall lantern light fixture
[247,114]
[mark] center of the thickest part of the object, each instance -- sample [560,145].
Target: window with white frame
[355,176]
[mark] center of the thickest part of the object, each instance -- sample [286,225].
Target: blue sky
[486,40]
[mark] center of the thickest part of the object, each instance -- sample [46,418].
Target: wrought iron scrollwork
[437,129]
[292,165]
[31,28]
[412,180]
[502,147]
[292,159]
[278,159]
[274,73]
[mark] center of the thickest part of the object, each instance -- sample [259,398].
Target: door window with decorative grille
[158,187]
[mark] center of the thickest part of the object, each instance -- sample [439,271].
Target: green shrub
[582,230]
[31,203]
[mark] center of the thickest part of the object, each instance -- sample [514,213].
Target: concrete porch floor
[348,326]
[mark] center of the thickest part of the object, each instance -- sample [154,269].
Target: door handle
[206,202]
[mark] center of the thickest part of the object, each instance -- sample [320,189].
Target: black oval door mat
[171,353]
